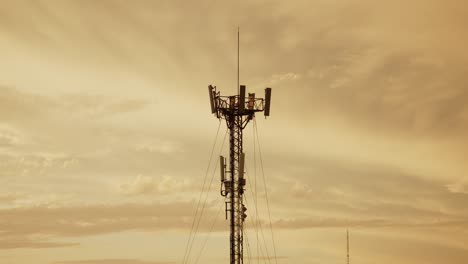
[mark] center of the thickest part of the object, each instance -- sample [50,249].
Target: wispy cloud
[24,223]
[111,261]
[21,242]
[149,185]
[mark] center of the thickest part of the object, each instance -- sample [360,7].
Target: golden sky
[106,131]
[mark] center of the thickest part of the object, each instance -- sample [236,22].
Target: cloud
[10,197]
[166,147]
[27,106]
[16,106]
[290,76]
[378,84]
[374,193]
[272,258]
[14,165]
[76,221]
[111,261]
[18,242]
[319,222]
[356,69]
[148,185]
[99,105]
[458,187]
[329,223]
[9,137]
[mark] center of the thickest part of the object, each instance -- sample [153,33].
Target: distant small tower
[347,246]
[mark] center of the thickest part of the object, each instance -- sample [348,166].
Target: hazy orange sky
[106,131]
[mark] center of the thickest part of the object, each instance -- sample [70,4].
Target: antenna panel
[241,165]
[241,98]
[212,103]
[267,101]
[222,168]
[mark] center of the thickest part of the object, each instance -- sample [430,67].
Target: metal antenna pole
[238,55]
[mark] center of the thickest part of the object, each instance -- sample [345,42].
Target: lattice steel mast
[237,110]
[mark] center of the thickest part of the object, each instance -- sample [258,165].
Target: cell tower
[237,110]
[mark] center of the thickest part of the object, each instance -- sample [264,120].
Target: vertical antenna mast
[237,110]
[347,246]
[238,55]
